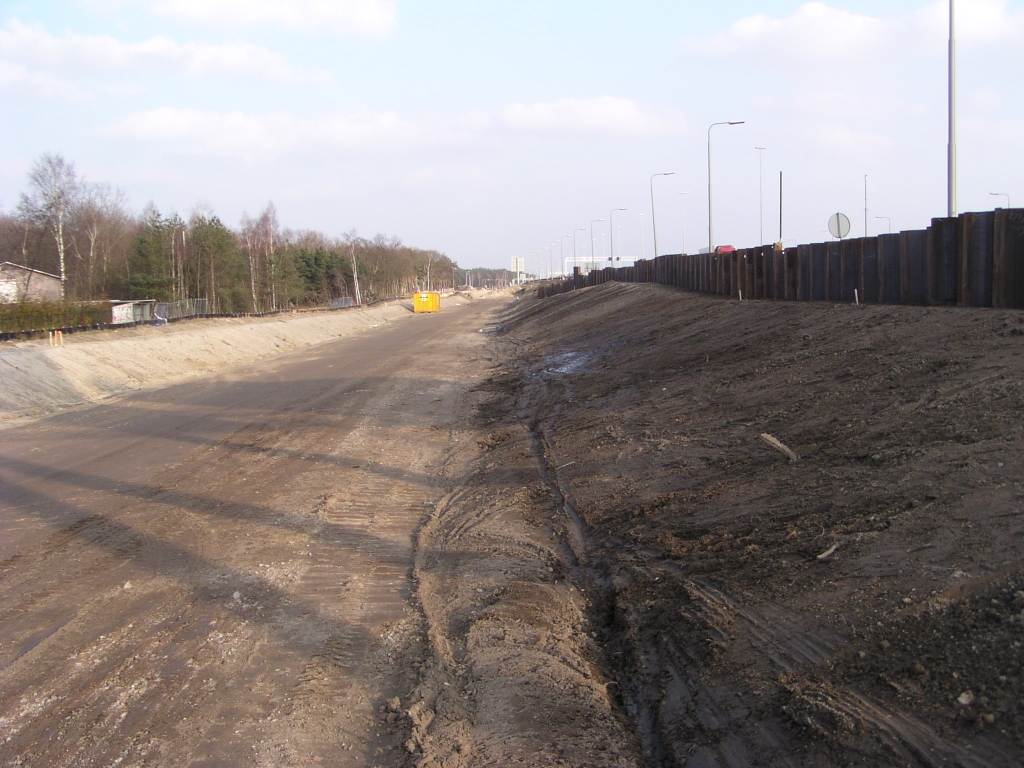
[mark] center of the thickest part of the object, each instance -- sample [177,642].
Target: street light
[888,221]
[654,223]
[575,263]
[593,253]
[1002,194]
[684,221]
[760,187]
[951,149]
[711,215]
[611,235]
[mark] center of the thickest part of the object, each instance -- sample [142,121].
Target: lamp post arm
[711,207]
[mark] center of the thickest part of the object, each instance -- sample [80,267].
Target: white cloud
[977,21]
[820,34]
[19,80]
[246,135]
[603,115]
[71,53]
[816,31]
[239,134]
[362,17]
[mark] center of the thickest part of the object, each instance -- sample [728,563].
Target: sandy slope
[38,378]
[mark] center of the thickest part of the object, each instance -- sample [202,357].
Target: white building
[18,283]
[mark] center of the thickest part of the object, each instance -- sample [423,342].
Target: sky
[488,129]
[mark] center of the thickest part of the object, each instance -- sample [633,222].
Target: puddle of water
[567,362]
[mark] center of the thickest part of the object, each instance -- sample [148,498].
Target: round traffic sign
[839,225]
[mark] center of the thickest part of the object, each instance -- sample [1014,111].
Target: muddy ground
[863,605]
[538,533]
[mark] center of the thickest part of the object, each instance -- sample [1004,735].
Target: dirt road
[218,573]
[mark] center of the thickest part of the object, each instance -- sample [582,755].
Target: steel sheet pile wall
[974,260]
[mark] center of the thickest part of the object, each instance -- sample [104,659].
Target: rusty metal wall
[889,269]
[973,260]
[974,286]
[1008,259]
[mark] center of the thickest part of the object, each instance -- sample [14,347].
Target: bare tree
[250,239]
[355,272]
[100,213]
[261,239]
[269,234]
[350,239]
[55,187]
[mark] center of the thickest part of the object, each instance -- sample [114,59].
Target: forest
[86,233]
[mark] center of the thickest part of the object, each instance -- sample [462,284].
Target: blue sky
[490,129]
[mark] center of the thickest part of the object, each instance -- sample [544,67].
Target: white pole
[865,206]
[951,160]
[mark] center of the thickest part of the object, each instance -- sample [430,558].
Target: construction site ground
[535,532]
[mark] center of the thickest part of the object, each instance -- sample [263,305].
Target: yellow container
[426,302]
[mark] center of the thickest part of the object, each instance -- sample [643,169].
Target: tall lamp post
[1002,194]
[611,235]
[760,187]
[593,247]
[888,221]
[654,223]
[711,207]
[951,158]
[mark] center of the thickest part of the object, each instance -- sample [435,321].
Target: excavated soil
[559,532]
[627,572]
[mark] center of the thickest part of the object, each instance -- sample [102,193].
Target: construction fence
[176,310]
[972,260]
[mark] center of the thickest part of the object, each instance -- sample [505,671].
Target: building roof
[27,269]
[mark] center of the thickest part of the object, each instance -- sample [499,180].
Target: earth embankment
[575,539]
[862,605]
[38,378]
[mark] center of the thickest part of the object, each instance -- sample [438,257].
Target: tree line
[86,234]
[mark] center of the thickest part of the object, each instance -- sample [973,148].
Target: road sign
[839,225]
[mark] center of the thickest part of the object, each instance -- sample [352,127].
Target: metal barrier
[973,260]
[175,310]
